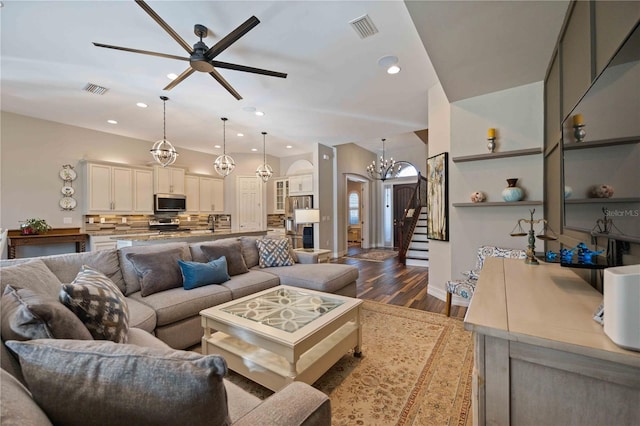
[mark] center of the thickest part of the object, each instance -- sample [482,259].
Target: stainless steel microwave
[169,203]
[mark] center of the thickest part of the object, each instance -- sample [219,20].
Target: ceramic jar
[602,191]
[512,192]
[568,191]
[477,197]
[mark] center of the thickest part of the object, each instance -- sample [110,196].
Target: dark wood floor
[393,283]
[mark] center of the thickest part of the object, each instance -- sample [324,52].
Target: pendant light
[264,171]
[163,152]
[387,169]
[224,164]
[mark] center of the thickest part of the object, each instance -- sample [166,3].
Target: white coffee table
[283,334]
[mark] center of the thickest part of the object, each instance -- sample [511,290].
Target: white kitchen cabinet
[102,242]
[109,189]
[301,184]
[143,191]
[168,180]
[192,192]
[280,192]
[211,195]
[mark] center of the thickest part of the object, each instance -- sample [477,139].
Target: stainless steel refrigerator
[292,203]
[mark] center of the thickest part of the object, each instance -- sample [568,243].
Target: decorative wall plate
[68,203]
[68,174]
[67,191]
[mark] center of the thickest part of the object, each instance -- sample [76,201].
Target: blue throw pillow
[196,274]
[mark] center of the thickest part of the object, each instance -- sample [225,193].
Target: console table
[540,358]
[54,236]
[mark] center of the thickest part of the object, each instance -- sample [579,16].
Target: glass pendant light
[224,164]
[264,171]
[163,152]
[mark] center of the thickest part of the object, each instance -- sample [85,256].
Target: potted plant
[34,226]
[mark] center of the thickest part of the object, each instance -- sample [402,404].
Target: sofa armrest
[296,404]
[307,257]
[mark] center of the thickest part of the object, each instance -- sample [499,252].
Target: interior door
[401,197]
[250,210]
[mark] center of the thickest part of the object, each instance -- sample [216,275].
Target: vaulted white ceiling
[335,91]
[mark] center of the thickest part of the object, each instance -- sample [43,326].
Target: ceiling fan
[201,58]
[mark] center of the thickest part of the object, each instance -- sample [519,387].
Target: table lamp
[306,217]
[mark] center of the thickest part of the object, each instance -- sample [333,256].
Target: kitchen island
[178,236]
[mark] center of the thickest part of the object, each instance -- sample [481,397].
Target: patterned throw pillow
[274,252]
[99,304]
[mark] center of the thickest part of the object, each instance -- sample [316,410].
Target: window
[408,171]
[354,208]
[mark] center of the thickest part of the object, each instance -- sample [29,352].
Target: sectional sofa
[167,318]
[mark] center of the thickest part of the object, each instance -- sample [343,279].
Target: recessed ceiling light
[390,63]
[142,105]
[254,149]
[217,146]
[288,147]
[259,113]
[112,122]
[240,134]
[172,76]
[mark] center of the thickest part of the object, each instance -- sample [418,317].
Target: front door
[401,197]
[249,203]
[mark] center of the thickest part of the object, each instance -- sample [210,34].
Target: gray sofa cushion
[18,407]
[254,281]
[99,304]
[123,384]
[33,275]
[67,266]
[157,271]
[326,277]
[29,315]
[229,248]
[141,315]
[177,303]
[131,279]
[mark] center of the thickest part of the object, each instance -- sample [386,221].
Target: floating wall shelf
[494,155]
[499,204]
[600,143]
[602,200]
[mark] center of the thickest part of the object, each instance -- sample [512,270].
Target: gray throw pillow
[108,383]
[28,315]
[99,304]
[274,252]
[232,250]
[33,275]
[157,271]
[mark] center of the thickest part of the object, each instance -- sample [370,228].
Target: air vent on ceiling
[364,26]
[94,88]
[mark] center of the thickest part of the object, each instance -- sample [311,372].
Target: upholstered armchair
[466,287]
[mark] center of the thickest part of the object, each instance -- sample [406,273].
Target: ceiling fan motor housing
[198,59]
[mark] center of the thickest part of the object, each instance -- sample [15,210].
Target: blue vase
[512,192]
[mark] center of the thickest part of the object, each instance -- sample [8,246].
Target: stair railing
[411,215]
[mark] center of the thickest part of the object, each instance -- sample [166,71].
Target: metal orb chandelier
[163,152]
[264,171]
[224,164]
[386,169]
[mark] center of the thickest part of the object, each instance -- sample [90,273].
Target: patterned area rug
[415,370]
[375,255]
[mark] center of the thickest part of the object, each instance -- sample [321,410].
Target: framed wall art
[438,197]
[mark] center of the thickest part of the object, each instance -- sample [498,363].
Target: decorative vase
[602,191]
[579,133]
[512,192]
[477,197]
[567,191]
[491,145]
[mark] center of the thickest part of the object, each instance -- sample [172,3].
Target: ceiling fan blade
[215,74]
[186,73]
[144,52]
[165,26]
[232,37]
[244,68]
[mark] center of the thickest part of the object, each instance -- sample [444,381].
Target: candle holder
[546,234]
[578,132]
[491,145]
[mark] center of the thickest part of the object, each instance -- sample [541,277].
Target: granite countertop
[186,235]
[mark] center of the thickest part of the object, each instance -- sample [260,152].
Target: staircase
[418,252]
